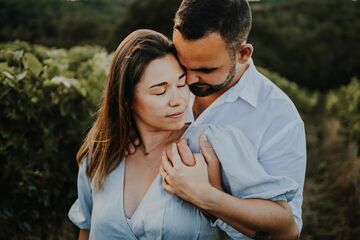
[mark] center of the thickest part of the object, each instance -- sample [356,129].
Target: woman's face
[161,96]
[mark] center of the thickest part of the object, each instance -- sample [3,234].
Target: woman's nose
[175,99]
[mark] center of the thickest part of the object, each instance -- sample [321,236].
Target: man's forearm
[249,216]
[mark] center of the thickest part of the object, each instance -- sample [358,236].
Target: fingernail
[203,137]
[137,141]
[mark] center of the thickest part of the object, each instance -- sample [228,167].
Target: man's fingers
[130,148]
[207,150]
[136,141]
[185,153]
[134,137]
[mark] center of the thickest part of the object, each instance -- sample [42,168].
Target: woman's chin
[178,125]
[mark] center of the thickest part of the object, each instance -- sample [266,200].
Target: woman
[123,198]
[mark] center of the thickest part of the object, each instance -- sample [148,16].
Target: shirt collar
[246,88]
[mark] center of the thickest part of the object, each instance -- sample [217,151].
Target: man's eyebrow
[203,69]
[159,84]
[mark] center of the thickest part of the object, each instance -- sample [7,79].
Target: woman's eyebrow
[159,84]
[182,75]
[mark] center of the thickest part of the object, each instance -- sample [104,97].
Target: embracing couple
[225,162]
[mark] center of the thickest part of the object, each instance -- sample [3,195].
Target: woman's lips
[176,115]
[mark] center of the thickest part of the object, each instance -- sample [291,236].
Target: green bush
[332,123]
[47,98]
[344,104]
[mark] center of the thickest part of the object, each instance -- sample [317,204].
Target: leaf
[18,55]
[33,64]
[21,76]
[8,75]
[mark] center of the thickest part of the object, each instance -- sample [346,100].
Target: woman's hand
[190,176]
[213,164]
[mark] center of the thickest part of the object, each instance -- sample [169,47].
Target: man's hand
[134,141]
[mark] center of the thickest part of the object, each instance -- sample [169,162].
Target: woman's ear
[244,52]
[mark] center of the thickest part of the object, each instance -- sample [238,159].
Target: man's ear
[244,53]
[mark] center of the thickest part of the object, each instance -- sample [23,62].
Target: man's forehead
[208,49]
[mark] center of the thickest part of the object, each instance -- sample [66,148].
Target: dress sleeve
[80,211]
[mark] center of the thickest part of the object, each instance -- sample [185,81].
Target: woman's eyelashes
[164,90]
[162,93]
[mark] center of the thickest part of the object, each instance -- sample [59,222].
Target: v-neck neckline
[148,190]
[141,203]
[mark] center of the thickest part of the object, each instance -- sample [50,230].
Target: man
[210,38]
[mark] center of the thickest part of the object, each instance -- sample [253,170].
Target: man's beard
[204,89]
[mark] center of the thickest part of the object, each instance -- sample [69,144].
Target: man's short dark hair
[196,19]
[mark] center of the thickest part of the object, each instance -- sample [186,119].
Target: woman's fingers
[166,164]
[207,150]
[213,164]
[174,157]
[185,153]
[200,160]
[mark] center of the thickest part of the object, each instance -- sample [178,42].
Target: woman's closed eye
[160,91]
[182,85]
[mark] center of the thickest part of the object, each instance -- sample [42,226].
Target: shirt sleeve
[283,153]
[80,211]
[242,173]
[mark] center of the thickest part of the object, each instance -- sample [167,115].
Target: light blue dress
[161,215]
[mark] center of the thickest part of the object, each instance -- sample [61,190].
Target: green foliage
[58,22]
[47,98]
[155,14]
[344,104]
[313,43]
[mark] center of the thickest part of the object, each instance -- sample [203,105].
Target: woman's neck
[152,140]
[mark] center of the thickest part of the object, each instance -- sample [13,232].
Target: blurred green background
[54,57]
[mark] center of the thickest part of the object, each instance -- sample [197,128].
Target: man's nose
[191,77]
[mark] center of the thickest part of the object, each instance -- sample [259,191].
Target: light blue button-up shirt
[271,122]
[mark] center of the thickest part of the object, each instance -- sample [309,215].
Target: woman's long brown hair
[105,144]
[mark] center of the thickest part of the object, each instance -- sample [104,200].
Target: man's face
[209,66]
